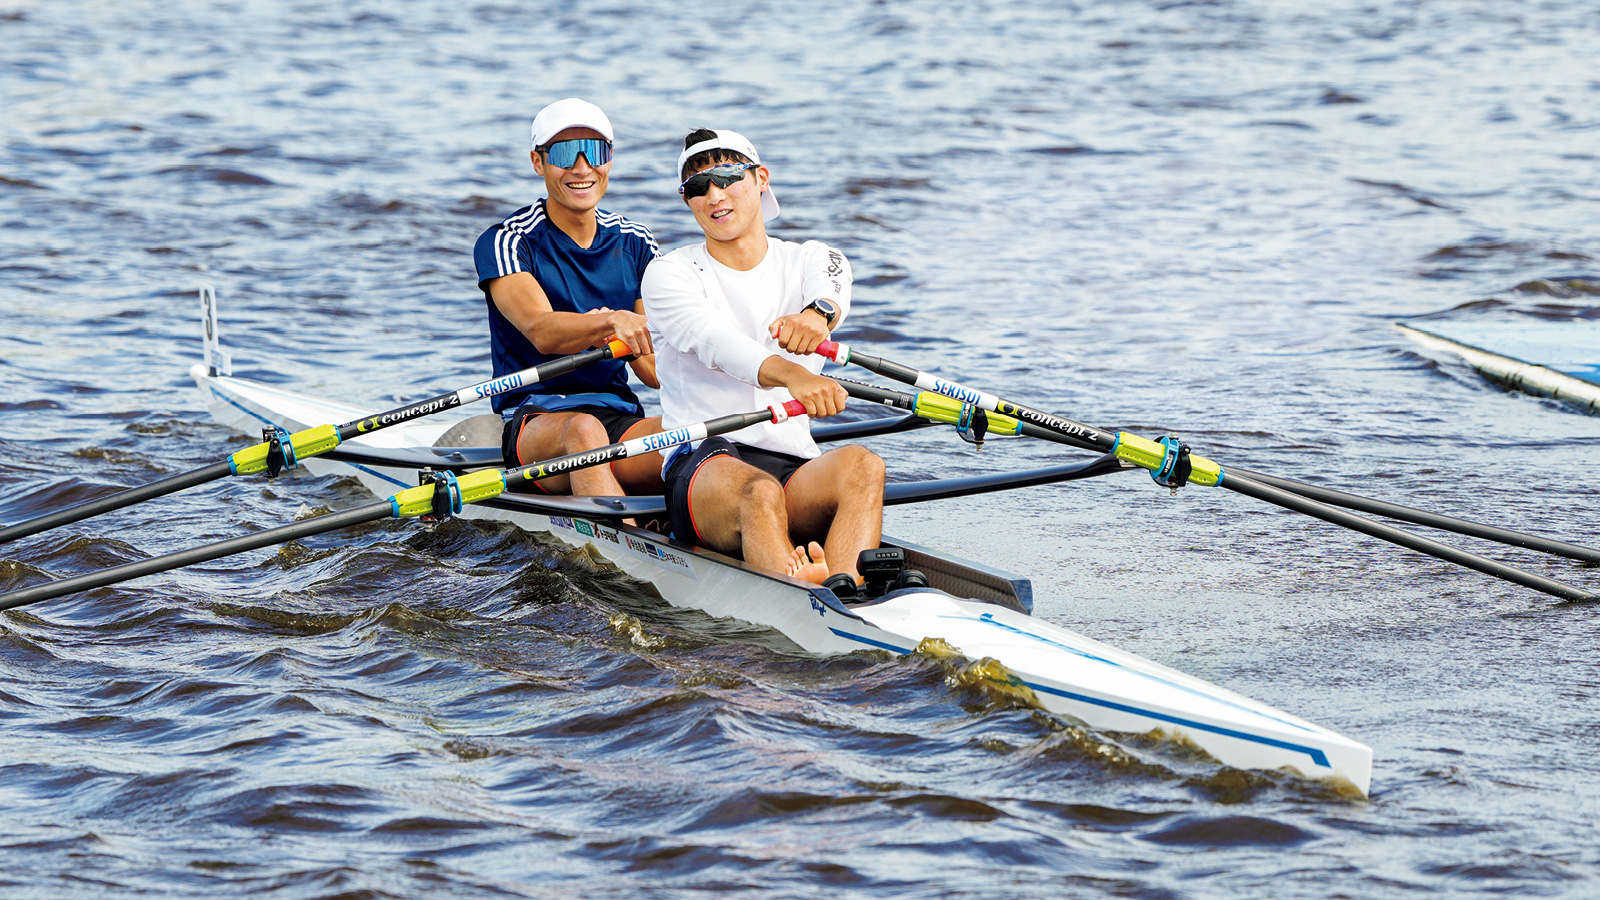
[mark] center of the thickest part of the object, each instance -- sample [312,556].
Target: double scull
[979,611]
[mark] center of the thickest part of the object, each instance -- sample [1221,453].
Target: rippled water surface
[1161,216]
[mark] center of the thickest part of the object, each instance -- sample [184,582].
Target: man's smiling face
[580,187]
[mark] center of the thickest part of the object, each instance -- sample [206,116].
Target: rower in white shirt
[734,321]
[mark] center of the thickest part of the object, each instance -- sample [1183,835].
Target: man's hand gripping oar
[440,498]
[282,450]
[1171,464]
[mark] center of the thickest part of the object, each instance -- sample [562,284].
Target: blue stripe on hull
[870,642]
[1318,757]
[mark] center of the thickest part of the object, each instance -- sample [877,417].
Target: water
[1195,217]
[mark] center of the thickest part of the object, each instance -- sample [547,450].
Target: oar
[284,450]
[931,407]
[1171,464]
[440,498]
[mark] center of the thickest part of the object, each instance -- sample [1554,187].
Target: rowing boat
[1547,358]
[979,611]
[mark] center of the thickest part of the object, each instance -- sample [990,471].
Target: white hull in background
[1494,355]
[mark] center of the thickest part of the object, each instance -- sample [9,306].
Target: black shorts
[681,473]
[615,422]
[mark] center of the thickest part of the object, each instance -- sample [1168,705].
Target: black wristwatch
[826,307]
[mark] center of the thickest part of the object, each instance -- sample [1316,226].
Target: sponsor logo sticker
[499,385]
[666,557]
[665,439]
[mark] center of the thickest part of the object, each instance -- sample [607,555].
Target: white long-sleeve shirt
[709,326]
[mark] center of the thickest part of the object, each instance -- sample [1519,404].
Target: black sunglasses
[722,176]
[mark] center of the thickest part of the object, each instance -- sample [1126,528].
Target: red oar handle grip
[789,408]
[830,349]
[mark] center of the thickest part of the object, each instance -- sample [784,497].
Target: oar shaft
[369,513]
[927,405]
[918,403]
[482,390]
[1086,437]
[312,441]
[1250,487]
[320,439]
[115,501]
[1425,518]
[919,491]
[651,443]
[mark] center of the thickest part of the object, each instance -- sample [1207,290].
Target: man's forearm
[779,372]
[561,333]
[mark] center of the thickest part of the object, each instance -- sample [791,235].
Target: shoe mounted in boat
[909,578]
[844,587]
[883,569]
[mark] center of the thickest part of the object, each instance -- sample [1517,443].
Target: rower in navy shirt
[559,277]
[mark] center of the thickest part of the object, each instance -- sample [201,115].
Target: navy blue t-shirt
[575,279]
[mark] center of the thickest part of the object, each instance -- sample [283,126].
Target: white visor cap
[569,113]
[738,143]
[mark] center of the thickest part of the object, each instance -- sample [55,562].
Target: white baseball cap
[738,143]
[569,113]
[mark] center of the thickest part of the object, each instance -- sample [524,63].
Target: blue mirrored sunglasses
[564,154]
[722,176]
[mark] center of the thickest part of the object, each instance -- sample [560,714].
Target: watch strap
[826,307]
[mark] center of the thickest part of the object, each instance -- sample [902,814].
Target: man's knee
[760,494]
[581,432]
[862,466]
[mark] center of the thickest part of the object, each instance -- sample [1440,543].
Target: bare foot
[808,564]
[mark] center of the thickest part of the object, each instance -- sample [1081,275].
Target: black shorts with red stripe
[684,467]
[615,422]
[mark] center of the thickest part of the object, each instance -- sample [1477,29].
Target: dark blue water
[1196,217]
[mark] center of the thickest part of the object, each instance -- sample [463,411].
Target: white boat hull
[1560,360]
[1071,675]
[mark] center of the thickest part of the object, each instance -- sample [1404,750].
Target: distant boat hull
[1547,358]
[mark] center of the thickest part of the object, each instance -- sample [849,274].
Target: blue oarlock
[1175,465]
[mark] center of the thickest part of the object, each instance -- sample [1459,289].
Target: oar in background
[284,451]
[1171,464]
